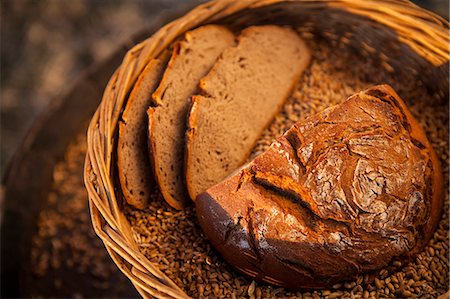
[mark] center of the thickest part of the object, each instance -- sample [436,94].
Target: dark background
[46,44]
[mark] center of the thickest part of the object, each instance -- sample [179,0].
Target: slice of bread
[192,59]
[238,100]
[132,155]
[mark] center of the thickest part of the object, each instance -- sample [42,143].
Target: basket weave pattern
[422,31]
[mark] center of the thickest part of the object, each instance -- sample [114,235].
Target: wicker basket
[406,37]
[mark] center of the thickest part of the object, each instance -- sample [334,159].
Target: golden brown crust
[437,184]
[191,125]
[344,192]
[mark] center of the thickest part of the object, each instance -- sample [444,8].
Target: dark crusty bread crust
[132,155]
[239,98]
[344,192]
[192,58]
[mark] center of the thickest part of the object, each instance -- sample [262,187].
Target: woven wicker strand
[422,31]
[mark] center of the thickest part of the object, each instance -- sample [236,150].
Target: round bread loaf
[344,192]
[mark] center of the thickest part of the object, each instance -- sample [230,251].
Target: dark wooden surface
[28,176]
[27,181]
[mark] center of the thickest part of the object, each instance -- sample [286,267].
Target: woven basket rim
[424,31]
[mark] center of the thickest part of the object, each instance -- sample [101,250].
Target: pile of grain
[67,258]
[173,240]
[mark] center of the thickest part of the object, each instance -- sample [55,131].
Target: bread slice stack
[216,95]
[191,60]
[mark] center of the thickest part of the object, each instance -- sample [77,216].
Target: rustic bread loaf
[192,58]
[132,155]
[238,99]
[343,192]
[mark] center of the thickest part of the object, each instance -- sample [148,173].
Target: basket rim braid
[424,32]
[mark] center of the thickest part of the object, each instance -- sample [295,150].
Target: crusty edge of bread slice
[154,163]
[190,133]
[152,72]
